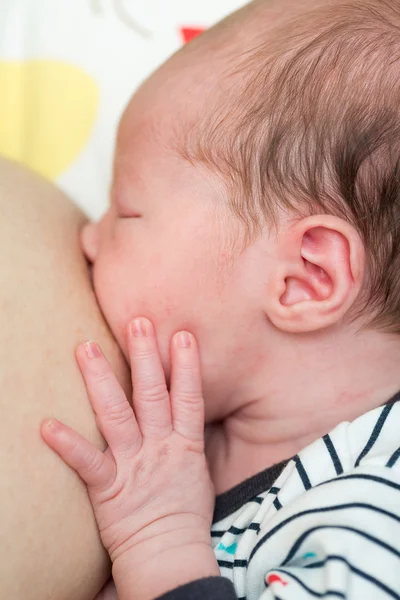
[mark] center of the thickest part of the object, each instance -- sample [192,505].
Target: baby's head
[256,189]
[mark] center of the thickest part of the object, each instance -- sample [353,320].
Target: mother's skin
[49,545]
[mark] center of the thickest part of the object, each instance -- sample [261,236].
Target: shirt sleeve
[340,540]
[210,588]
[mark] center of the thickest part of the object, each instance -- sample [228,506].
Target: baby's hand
[151,487]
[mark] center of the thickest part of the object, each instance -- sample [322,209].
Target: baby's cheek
[168,306]
[108,297]
[90,241]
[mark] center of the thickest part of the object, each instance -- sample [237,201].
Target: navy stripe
[241,563]
[308,532]
[277,504]
[234,564]
[382,480]
[225,563]
[333,454]
[363,574]
[218,533]
[273,490]
[236,530]
[315,565]
[314,593]
[302,472]
[257,499]
[324,509]
[393,459]
[375,432]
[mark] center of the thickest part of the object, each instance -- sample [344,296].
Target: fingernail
[92,350]
[184,339]
[52,424]
[138,328]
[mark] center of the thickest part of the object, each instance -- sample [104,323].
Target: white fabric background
[117,44]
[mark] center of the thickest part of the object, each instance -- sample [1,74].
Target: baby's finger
[115,417]
[187,402]
[96,469]
[150,394]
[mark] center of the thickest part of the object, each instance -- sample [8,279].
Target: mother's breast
[49,546]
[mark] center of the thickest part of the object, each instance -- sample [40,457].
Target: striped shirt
[325,524]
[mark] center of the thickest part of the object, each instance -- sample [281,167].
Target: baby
[256,205]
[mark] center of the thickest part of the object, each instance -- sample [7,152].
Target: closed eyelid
[127,213]
[121,201]
[125,217]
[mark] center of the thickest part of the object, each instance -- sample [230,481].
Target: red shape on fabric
[188,33]
[275,579]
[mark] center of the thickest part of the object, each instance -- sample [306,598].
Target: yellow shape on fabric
[47,112]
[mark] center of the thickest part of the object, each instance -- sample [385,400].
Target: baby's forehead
[201,81]
[158,116]
[190,83]
[193,78]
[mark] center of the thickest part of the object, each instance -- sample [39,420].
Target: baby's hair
[311,123]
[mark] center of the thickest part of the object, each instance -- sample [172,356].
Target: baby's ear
[317,274]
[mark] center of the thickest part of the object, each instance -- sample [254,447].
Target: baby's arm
[340,539]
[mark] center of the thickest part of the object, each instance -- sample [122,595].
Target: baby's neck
[298,409]
[231,460]
[234,454]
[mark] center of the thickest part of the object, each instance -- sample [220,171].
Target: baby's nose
[90,241]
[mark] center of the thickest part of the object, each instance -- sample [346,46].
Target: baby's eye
[122,204]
